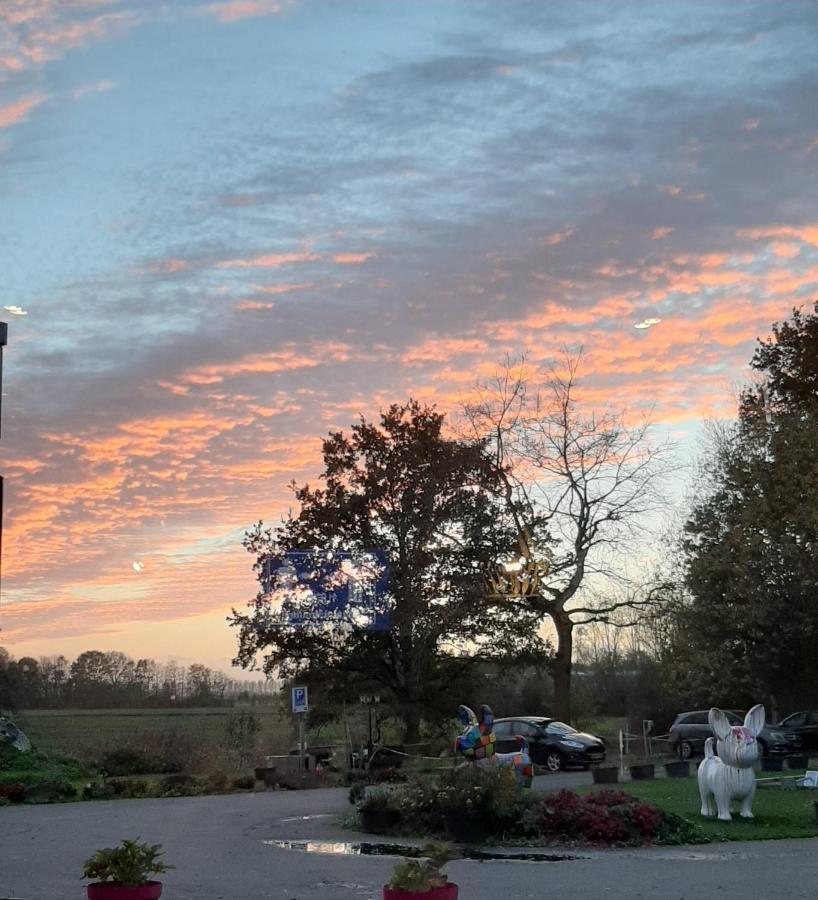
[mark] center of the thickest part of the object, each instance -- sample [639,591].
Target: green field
[200,733]
[61,729]
[779,813]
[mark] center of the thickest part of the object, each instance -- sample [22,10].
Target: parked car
[552,744]
[690,730]
[805,726]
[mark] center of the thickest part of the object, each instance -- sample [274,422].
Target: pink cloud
[18,112]
[235,10]
[266,261]
[352,259]
[807,234]
[283,288]
[39,31]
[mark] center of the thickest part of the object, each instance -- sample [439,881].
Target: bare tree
[582,486]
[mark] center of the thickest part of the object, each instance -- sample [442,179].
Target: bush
[12,758]
[242,732]
[243,783]
[132,788]
[604,817]
[180,785]
[147,753]
[58,790]
[98,790]
[125,761]
[217,782]
[379,798]
[14,793]
[489,794]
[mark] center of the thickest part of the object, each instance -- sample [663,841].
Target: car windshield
[560,728]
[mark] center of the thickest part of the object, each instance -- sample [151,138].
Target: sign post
[300,707]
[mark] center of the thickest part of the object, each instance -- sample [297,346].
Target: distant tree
[200,684]
[9,682]
[146,678]
[30,682]
[748,628]
[55,676]
[581,485]
[426,502]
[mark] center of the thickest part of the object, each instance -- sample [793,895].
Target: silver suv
[690,730]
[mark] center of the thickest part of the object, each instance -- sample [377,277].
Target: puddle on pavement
[345,848]
[305,818]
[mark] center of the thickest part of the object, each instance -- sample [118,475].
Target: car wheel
[553,761]
[684,750]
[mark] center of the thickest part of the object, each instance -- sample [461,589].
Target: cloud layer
[237,225]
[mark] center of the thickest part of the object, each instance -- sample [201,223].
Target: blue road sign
[300,699]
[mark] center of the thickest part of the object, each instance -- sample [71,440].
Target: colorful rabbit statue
[476,744]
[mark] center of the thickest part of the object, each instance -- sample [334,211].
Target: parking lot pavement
[218,847]
[558,781]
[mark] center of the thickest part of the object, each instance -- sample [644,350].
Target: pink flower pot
[110,890]
[447,892]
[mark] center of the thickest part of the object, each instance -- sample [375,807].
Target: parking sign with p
[300,700]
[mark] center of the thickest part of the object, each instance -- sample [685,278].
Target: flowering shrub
[606,817]
[14,793]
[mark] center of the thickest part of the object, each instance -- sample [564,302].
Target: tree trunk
[561,667]
[411,720]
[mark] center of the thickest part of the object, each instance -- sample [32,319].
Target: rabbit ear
[466,716]
[719,723]
[754,720]
[486,716]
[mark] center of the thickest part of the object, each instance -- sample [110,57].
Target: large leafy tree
[749,626]
[426,504]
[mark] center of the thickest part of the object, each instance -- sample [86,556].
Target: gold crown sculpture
[522,577]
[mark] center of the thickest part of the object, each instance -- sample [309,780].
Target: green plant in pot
[124,872]
[422,879]
[377,810]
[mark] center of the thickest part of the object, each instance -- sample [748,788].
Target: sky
[234,226]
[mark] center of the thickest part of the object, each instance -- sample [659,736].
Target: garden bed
[497,811]
[779,813]
[470,805]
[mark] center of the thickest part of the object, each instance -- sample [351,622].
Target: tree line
[103,680]
[525,520]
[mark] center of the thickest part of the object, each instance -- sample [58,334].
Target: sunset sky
[236,225]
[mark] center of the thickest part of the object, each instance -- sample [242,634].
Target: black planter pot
[769,764]
[798,762]
[677,769]
[643,772]
[464,829]
[378,821]
[605,775]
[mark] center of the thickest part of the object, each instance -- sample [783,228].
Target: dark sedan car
[805,726]
[552,744]
[690,730]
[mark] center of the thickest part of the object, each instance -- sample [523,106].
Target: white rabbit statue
[730,776]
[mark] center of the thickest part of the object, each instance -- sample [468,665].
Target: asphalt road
[218,847]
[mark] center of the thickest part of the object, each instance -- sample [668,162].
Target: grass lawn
[779,813]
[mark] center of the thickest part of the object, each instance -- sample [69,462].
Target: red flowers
[605,817]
